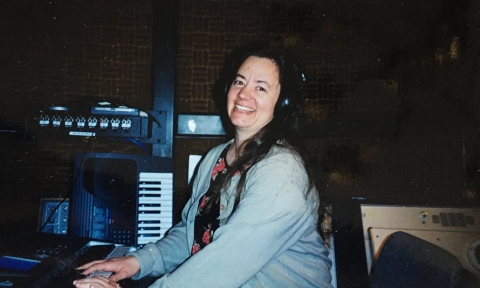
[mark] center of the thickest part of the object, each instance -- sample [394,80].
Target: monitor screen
[15,263]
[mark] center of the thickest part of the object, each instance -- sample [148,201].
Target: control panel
[456,230]
[53,216]
[96,122]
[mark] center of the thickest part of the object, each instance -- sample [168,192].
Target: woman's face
[253,95]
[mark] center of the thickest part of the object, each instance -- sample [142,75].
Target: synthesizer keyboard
[65,272]
[155,206]
[48,260]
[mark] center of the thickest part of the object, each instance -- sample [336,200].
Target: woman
[252,218]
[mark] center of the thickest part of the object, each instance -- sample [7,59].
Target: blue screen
[16,263]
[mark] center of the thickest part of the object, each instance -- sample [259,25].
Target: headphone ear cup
[226,88]
[293,98]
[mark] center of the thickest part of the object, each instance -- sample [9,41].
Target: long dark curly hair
[284,130]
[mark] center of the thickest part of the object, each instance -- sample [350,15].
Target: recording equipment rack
[100,121]
[63,122]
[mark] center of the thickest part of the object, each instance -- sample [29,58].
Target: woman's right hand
[123,267]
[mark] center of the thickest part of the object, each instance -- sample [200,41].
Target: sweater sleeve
[164,255]
[272,215]
[167,253]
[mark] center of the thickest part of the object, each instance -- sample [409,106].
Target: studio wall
[392,103]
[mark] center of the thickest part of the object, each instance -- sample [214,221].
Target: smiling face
[253,95]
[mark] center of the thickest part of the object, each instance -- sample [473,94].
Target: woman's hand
[123,267]
[96,282]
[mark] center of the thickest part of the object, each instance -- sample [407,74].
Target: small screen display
[15,263]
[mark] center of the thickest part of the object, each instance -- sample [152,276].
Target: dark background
[393,96]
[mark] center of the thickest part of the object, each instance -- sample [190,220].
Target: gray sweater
[270,240]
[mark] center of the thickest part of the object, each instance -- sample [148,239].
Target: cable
[141,145]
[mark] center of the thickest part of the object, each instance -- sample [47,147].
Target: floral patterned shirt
[206,220]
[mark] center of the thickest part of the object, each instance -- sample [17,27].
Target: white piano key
[154,175]
[155,192]
[147,217]
[144,199]
[147,231]
[164,208]
[150,186]
[152,225]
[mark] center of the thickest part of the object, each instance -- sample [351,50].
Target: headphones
[291,94]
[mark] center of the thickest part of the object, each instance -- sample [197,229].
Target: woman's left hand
[95,282]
